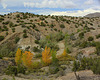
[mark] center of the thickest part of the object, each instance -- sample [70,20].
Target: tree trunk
[77,76]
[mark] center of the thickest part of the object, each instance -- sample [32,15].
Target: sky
[51,7]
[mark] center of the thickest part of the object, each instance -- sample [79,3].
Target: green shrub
[41,18]
[55,29]
[98,48]
[11,70]
[21,69]
[1,38]
[68,51]
[91,24]
[23,25]
[46,29]
[76,66]
[25,16]
[68,46]
[98,36]
[83,64]
[62,26]
[87,63]
[37,41]
[98,25]
[51,40]
[0,56]
[27,48]
[18,16]
[85,44]
[28,27]
[33,26]
[11,54]
[51,25]
[11,24]
[81,35]
[38,55]
[36,65]
[0,27]
[76,26]
[36,29]
[24,31]
[6,33]
[54,67]
[25,35]
[5,28]
[53,45]
[46,21]
[54,59]
[78,30]
[17,39]
[14,70]
[90,38]
[42,24]
[8,49]
[1,19]
[96,66]
[72,37]
[89,44]
[13,30]
[35,49]
[31,20]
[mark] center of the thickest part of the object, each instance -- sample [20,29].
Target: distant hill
[97,14]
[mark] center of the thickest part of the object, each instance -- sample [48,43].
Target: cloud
[41,11]
[51,4]
[2,13]
[56,7]
[89,2]
[4,5]
[76,13]
[96,7]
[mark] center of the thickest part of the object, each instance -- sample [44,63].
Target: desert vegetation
[48,47]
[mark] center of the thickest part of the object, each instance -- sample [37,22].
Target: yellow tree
[27,59]
[64,54]
[46,56]
[18,57]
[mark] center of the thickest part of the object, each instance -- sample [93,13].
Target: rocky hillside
[97,14]
[73,37]
[26,28]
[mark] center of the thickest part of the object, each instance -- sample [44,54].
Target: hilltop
[97,14]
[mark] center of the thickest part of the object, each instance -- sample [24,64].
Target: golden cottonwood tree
[27,59]
[18,57]
[46,56]
[64,54]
